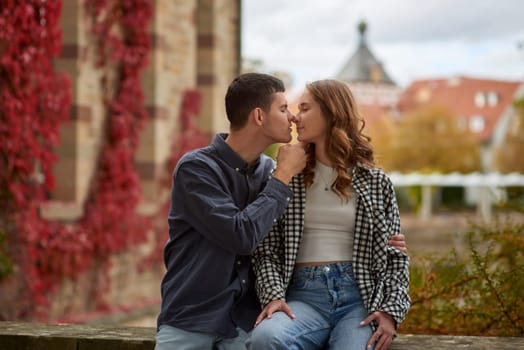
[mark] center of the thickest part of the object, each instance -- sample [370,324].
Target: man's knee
[270,334]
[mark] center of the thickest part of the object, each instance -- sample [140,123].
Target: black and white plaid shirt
[381,271]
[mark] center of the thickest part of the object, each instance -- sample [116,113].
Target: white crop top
[329,221]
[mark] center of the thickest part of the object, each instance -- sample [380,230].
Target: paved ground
[445,231]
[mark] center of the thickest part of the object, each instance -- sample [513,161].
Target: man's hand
[383,336]
[274,306]
[291,160]
[399,242]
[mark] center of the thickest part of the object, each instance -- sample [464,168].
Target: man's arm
[291,159]
[211,210]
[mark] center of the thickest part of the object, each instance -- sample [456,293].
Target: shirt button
[274,220]
[239,262]
[287,199]
[244,281]
[237,169]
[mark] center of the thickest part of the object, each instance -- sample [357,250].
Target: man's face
[277,121]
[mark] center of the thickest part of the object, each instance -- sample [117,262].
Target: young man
[225,198]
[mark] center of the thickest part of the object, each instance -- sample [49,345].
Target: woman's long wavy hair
[346,145]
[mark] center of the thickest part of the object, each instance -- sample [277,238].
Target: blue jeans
[171,338]
[328,308]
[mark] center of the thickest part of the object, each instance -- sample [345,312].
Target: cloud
[312,39]
[441,20]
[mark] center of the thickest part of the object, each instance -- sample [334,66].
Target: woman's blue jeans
[328,308]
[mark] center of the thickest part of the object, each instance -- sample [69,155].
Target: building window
[477,123]
[493,98]
[480,99]
[483,99]
[423,95]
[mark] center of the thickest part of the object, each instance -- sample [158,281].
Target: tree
[430,139]
[380,129]
[508,156]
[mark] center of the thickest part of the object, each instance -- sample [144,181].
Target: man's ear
[258,116]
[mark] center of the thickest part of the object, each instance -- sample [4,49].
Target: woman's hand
[399,242]
[274,306]
[385,332]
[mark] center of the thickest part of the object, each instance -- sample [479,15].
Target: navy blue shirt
[220,210]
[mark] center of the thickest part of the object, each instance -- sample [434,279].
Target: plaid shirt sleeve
[382,271]
[274,258]
[268,265]
[396,301]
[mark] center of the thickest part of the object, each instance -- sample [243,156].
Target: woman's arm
[396,300]
[268,265]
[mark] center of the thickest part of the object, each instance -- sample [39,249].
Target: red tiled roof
[458,94]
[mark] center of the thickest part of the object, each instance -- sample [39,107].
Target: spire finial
[362,28]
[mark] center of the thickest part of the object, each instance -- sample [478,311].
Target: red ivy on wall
[34,101]
[111,223]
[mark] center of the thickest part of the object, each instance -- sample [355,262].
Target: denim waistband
[341,267]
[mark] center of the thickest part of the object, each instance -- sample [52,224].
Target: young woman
[326,275]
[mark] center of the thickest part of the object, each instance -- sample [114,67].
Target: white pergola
[487,184]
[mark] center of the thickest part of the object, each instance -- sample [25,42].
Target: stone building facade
[195,45]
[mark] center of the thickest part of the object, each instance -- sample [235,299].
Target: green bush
[515,199]
[272,150]
[477,294]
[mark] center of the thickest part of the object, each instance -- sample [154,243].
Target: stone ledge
[445,342]
[38,336]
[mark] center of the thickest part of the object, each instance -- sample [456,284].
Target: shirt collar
[231,157]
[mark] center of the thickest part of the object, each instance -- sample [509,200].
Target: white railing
[457,179]
[488,185]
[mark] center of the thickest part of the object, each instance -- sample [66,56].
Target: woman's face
[310,121]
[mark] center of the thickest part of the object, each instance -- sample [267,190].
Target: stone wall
[25,336]
[129,288]
[195,45]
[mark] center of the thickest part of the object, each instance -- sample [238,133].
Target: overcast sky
[414,39]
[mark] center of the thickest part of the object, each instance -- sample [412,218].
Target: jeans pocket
[348,278]
[300,279]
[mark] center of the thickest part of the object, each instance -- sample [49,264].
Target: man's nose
[291,117]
